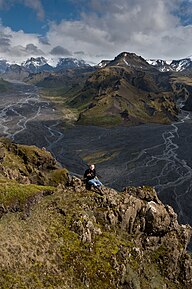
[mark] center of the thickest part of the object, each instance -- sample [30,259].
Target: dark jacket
[89,174]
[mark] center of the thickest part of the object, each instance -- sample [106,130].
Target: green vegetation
[11,192]
[117,94]
[62,236]
[101,120]
[29,164]
[99,156]
[55,252]
[65,244]
[59,176]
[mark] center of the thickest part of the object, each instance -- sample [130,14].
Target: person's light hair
[92,166]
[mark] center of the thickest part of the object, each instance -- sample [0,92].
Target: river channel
[155,155]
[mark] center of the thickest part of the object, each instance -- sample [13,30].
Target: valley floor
[155,155]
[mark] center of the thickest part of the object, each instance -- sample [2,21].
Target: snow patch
[168,62]
[126,62]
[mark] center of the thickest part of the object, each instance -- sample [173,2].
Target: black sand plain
[149,154]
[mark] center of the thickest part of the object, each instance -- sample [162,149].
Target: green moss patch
[11,192]
[59,176]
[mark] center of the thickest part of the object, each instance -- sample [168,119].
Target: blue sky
[95,29]
[20,16]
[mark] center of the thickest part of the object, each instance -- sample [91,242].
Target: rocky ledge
[76,238]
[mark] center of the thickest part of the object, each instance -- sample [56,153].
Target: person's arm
[85,174]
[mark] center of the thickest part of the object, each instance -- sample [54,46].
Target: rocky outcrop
[29,164]
[68,236]
[156,238]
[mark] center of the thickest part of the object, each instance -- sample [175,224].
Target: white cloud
[150,28]
[16,46]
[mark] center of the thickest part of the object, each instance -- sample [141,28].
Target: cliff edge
[54,233]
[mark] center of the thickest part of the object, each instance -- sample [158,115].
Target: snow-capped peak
[71,63]
[36,62]
[171,65]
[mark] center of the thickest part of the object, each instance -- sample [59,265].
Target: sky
[94,30]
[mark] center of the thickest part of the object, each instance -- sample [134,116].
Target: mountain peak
[38,61]
[127,59]
[127,54]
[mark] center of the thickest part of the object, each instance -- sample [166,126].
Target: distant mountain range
[180,65]
[37,65]
[127,90]
[173,65]
[40,64]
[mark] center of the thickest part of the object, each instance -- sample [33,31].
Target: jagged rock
[157,219]
[67,236]
[86,229]
[143,193]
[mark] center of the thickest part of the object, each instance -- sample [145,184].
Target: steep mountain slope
[3,65]
[70,237]
[126,91]
[182,86]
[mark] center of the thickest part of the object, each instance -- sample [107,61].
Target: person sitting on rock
[91,178]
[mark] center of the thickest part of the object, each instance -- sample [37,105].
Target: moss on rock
[68,237]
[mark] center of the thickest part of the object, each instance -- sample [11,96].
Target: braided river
[149,154]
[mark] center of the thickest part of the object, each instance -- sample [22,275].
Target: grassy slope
[110,96]
[12,192]
[114,95]
[113,91]
[45,251]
